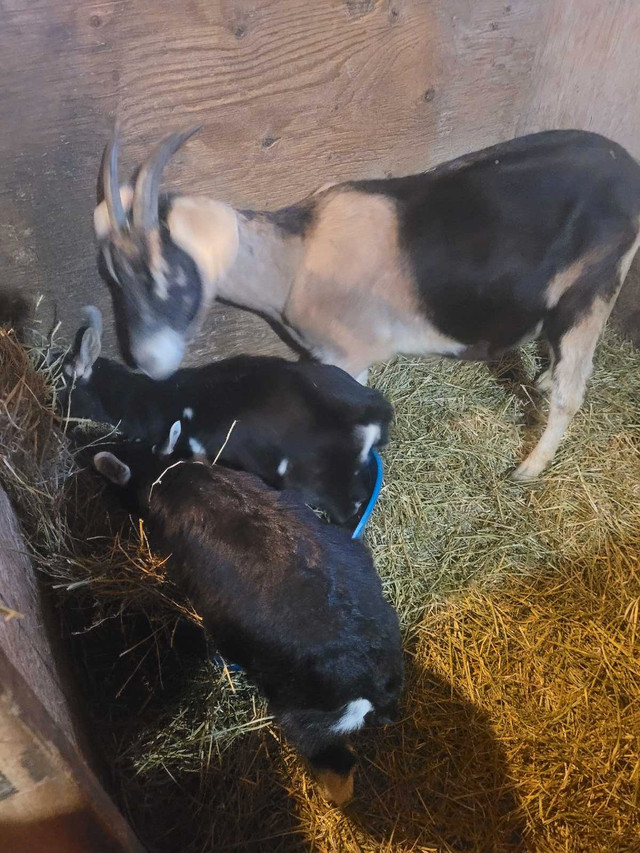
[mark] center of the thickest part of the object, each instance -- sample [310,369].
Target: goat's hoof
[525,473]
[544,382]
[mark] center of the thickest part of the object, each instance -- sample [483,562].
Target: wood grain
[292,94]
[24,639]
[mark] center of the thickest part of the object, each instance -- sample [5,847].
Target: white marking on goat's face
[187,413]
[368,434]
[353,717]
[197,448]
[282,467]
[159,355]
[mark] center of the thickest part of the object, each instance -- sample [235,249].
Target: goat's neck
[265,267]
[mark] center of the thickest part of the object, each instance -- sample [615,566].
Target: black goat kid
[299,425]
[295,602]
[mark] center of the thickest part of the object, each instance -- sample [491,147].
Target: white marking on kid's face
[187,414]
[282,467]
[353,717]
[368,435]
[197,448]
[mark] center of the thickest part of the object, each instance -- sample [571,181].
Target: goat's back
[294,601]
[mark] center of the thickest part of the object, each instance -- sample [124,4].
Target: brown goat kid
[529,238]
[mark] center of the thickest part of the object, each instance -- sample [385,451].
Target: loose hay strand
[519,606]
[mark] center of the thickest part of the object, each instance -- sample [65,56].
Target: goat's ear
[90,347]
[207,230]
[169,445]
[174,435]
[112,468]
[367,435]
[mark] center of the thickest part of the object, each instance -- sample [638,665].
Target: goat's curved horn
[145,194]
[117,216]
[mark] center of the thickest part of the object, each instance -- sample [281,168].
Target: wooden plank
[584,70]
[49,797]
[23,629]
[292,94]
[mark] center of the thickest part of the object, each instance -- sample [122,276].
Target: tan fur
[157,264]
[207,230]
[265,267]
[562,281]
[568,379]
[338,789]
[324,187]
[568,385]
[353,295]
[101,224]
[627,259]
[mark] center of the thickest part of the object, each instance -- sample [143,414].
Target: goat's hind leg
[544,381]
[573,362]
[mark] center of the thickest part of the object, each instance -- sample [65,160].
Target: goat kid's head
[135,465]
[161,257]
[333,474]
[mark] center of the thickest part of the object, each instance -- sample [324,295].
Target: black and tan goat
[295,602]
[298,425]
[528,238]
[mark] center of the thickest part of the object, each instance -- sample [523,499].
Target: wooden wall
[292,93]
[49,797]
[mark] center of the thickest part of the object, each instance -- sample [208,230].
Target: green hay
[519,606]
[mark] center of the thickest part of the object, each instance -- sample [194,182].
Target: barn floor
[520,609]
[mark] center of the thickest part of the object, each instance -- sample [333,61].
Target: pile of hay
[520,607]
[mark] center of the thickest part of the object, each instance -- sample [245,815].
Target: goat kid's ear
[367,435]
[90,348]
[169,445]
[112,468]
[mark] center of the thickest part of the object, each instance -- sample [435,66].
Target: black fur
[484,234]
[295,602]
[301,411]
[295,220]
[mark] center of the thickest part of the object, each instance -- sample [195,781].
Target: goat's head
[161,257]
